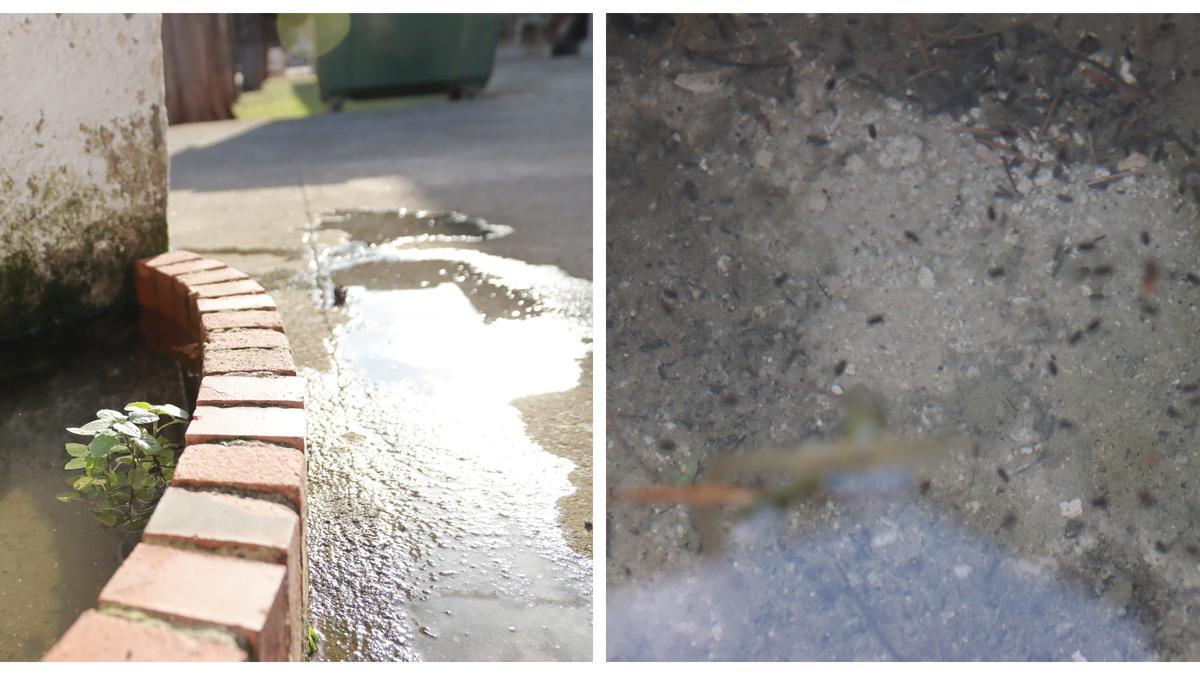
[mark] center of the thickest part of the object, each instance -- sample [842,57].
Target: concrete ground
[252,194]
[987,221]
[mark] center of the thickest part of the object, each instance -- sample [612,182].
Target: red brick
[150,294]
[96,636]
[150,325]
[273,425]
[251,467]
[143,279]
[206,589]
[211,277]
[247,339]
[223,320]
[222,361]
[221,521]
[234,525]
[190,266]
[242,287]
[168,258]
[234,303]
[172,291]
[232,390]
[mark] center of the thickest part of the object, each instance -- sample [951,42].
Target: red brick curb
[219,573]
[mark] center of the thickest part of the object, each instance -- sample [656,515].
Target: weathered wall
[83,163]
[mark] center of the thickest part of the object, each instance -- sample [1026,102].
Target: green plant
[312,640]
[127,464]
[688,475]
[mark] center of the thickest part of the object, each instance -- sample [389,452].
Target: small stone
[723,263]
[962,571]
[901,151]
[1071,509]
[1076,656]
[1134,162]
[836,389]
[883,539]
[925,278]
[854,164]
[817,202]
[699,83]
[763,158]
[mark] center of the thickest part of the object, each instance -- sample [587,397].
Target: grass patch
[298,96]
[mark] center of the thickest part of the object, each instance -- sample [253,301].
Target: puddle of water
[897,581]
[433,527]
[54,557]
[405,227]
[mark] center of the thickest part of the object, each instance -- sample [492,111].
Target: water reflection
[433,528]
[881,580]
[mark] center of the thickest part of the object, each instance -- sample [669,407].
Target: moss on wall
[69,237]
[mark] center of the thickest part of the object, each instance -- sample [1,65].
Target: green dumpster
[405,54]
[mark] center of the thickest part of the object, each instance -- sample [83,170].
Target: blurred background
[274,66]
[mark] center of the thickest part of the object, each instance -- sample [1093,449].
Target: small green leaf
[77,449]
[139,405]
[108,517]
[80,432]
[102,445]
[110,415]
[119,497]
[152,446]
[96,426]
[168,409]
[145,494]
[66,497]
[136,525]
[139,444]
[82,482]
[142,417]
[127,428]
[168,474]
[166,458]
[124,459]
[77,463]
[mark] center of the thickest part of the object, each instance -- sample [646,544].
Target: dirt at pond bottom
[790,216]
[55,557]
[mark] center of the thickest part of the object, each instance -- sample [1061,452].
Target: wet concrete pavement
[795,208]
[448,369]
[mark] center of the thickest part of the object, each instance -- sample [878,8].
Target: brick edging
[219,572]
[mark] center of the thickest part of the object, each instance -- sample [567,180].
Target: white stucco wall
[83,162]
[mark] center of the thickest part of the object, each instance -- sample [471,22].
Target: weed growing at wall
[127,464]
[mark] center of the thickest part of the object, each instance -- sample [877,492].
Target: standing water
[55,557]
[437,515]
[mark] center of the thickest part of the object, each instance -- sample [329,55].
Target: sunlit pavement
[432,531]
